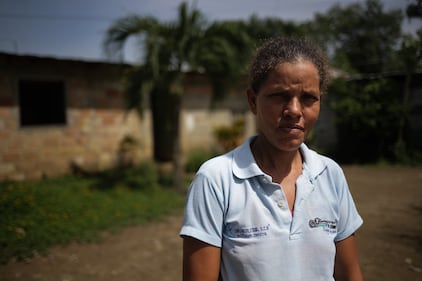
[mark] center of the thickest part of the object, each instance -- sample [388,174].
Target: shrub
[143,176]
[230,136]
[37,215]
[197,157]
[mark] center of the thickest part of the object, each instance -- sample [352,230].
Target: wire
[55,17]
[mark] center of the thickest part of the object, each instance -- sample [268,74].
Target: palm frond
[120,31]
[138,84]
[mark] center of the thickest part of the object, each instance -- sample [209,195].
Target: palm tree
[169,48]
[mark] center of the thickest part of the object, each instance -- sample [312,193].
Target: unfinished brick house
[57,115]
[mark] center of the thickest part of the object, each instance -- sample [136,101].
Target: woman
[272,209]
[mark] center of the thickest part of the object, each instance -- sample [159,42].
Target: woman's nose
[293,108]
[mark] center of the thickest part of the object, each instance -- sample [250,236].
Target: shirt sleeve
[204,212]
[349,218]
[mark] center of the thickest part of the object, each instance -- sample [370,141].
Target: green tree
[414,9]
[367,46]
[170,48]
[368,115]
[262,28]
[223,53]
[360,37]
[409,58]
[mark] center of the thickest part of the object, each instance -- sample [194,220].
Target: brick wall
[36,152]
[96,122]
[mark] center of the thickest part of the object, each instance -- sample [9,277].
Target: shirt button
[280,203]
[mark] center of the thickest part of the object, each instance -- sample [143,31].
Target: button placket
[277,195]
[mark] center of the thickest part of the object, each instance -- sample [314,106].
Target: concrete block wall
[33,153]
[96,121]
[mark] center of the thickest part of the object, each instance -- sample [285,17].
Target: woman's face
[287,104]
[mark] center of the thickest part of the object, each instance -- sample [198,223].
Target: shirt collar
[313,163]
[245,166]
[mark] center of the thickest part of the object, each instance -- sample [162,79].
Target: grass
[37,215]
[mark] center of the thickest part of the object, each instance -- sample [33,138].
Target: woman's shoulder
[321,162]
[230,161]
[329,162]
[217,164]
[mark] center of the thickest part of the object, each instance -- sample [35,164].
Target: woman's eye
[309,98]
[280,96]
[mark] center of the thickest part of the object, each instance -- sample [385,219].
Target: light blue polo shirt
[232,204]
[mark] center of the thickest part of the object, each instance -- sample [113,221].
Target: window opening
[42,103]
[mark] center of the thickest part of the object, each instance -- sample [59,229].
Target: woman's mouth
[292,129]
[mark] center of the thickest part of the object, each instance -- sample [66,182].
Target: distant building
[58,116]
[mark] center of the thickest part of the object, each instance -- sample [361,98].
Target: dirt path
[390,242]
[390,202]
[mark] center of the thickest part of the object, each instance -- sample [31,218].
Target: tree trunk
[165,112]
[166,109]
[400,146]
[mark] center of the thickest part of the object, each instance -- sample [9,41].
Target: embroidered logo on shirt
[326,225]
[248,232]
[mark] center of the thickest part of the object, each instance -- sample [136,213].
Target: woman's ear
[251,99]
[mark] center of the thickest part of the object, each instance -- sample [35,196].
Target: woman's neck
[275,162]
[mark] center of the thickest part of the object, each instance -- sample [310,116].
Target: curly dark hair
[281,49]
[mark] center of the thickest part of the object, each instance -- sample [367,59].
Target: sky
[75,29]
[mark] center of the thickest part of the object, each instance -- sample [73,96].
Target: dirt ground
[389,242]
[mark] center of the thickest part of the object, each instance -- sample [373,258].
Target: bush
[196,158]
[37,215]
[230,137]
[143,176]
